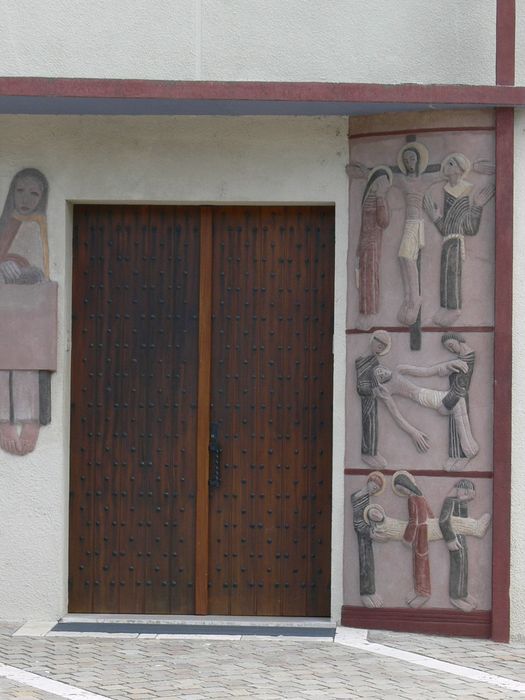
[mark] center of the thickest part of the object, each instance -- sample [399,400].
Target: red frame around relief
[495,623]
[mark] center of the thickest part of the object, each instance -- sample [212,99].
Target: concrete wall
[147,160]
[425,41]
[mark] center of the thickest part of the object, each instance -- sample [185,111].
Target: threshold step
[326,631]
[214,620]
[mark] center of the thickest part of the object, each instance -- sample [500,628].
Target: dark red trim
[433,621]
[503,375]
[505,42]
[350,471]
[370,134]
[493,95]
[425,329]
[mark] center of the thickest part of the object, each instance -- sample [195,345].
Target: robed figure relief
[366,383]
[455,507]
[416,535]
[27,312]
[360,500]
[456,216]
[375,217]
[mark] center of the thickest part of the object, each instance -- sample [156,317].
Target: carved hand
[421,441]
[382,187]
[454,545]
[456,366]
[486,193]
[430,207]
[381,392]
[356,169]
[379,536]
[485,167]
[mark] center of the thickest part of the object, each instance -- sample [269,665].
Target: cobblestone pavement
[506,660]
[135,668]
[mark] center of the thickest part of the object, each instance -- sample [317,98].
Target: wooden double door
[201,415]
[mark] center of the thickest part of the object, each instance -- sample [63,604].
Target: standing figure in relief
[457,217]
[412,161]
[375,217]
[360,500]
[24,259]
[456,506]
[416,535]
[459,384]
[365,365]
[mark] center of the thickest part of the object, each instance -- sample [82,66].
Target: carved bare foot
[364,322]
[372,601]
[464,603]
[413,311]
[446,317]
[377,461]
[450,464]
[28,437]
[417,601]
[473,601]
[9,438]
[402,313]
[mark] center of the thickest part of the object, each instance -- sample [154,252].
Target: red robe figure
[375,218]
[416,535]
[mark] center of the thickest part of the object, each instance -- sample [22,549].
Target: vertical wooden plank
[203,417]
[81,497]
[321,236]
[240,408]
[502,375]
[271,413]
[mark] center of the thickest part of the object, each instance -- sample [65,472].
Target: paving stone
[195,669]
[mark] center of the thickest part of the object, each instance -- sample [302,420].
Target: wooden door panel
[134,387]
[271,396]
[134,410]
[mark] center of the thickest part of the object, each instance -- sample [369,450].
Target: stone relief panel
[28,314]
[418,541]
[430,409]
[421,233]
[419,399]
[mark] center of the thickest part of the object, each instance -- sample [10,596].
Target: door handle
[215,457]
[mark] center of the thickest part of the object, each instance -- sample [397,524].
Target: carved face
[377,346]
[465,494]
[451,169]
[372,486]
[28,193]
[452,345]
[410,161]
[382,374]
[403,490]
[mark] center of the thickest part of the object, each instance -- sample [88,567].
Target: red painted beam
[434,95]
[503,375]
[506,42]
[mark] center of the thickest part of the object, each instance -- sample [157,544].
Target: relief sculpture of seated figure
[24,260]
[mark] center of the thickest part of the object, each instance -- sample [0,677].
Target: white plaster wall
[148,159]
[517,587]
[520,43]
[388,41]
